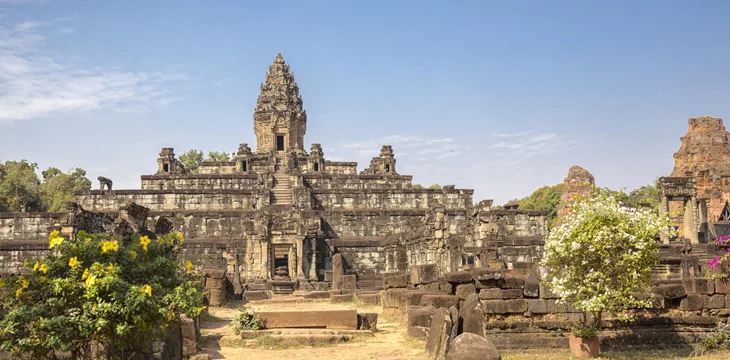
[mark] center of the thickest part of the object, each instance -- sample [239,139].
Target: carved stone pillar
[293,263]
[663,210]
[690,221]
[300,271]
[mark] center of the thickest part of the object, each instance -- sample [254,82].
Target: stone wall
[343,168]
[161,200]
[356,182]
[394,198]
[202,182]
[24,236]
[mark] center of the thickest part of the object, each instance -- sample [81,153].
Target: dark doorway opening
[281,260]
[316,166]
[387,168]
[244,168]
[279,142]
[165,168]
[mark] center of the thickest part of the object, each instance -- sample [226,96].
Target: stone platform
[330,319]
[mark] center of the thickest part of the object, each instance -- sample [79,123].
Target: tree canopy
[21,189]
[545,199]
[191,160]
[218,156]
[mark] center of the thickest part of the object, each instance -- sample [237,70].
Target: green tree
[601,254]
[435,187]
[191,160]
[218,156]
[545,199]
[645,195]
[58,188]
[19,186]
[417,186]
[97,289]
[3,200]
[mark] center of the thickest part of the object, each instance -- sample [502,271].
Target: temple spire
[279,118]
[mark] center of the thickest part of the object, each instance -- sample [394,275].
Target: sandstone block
[494,306]
[459,277]
[537,306]
[699,286]
[471,313]
[216,298]
[189,346]
[369,299]
[722,286]
[423,274]
[531,288]
[367,321]
[331,319]
[511,293]
[413,297]
[395,280]
[468,346]
[328,274]
[513,283]
[490,294]
[341,298]
[256,295]
[391,298]
[418,332]
[440,301]
[546,292]
[322,286]
[487,274]
[446,288]
[349,282]
[213,273]
[188,329]
[516,305]
[692,302]
[670,291]
[420,316]
[317,295]
[713,301]
[430,287]
[338,271]
[463,290]
[438,334]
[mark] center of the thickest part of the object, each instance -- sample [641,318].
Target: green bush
[96,289]
[245,319]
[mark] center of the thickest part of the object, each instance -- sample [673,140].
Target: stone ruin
[281,218]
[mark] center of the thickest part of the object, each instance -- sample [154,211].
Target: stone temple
[280,213]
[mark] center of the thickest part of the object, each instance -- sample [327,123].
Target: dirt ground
[388,343]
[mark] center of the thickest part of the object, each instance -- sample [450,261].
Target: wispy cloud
[35,83]
[403,145]
[530,143]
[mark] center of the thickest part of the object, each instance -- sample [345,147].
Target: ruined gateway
[283,212]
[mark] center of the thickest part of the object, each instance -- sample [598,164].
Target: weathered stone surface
[200,357]
[699,286]
[516,305]
[578,185]
[418,332]
[413,297]
[511,293]
[367,321]
[494,306]
[331,319]
[463,290]
[438,334]
[546,293]
[369,299]
[341,298]
[537,306]
[671,291]
[256,295]
[338,271]
[471,315]
[438,301]
[317,295]
[693,302]
[349,282]
[420,316]
[395,280]
[531,288]
[487,274]
[469,346]
[459,277]
[423,274]
[513,283]
[722,286]
[713,301]
[490,294]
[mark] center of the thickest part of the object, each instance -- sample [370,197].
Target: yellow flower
[25,262]
[179,237]
[18,292]
[146,289]
[44,268]
[55,242]
[36,266]
[170,316]
[85,274]
[54,234]
[87,241]
[74,262]
[2,283]
[133,254]
[110,268]
[189,266]
[107,246]
[144,241]
[90,280]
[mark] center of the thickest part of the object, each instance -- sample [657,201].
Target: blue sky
[499,96]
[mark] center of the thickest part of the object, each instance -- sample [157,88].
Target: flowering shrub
[717,339]
[97,289]
[719,266]
[599,254]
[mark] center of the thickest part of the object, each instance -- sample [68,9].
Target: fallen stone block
[713,301]
[671,291]
[349,282]
[420,316]
[692,302]
[470,315]
[429,287]
[391,298]
[413,297]
[459,277]
[440,301]
[438,334]
[331,319]
[418,332]
[468,346]
[367,321]
[487,274]
[423,274]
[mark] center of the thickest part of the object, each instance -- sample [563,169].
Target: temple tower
[279,118]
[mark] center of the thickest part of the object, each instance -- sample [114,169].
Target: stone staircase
[281,193]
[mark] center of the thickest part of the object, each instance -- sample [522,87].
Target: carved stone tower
[279,118]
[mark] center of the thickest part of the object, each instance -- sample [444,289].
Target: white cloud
[35,83]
